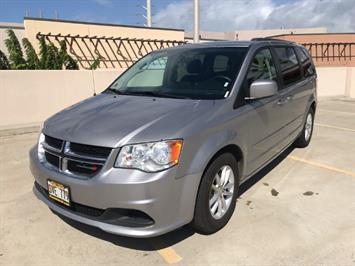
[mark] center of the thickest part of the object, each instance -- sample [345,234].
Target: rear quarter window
[307,66]
[290,70]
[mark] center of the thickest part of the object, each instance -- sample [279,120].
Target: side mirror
[262,88]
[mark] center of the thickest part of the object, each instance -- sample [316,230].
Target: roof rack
[269,39]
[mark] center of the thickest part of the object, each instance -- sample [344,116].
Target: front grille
[89,150]
[75,159]
[52,159]
[53,142]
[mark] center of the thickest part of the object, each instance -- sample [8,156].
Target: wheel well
[313,106]
[235,151]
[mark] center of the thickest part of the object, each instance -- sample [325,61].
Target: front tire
[305,138]
[217,195]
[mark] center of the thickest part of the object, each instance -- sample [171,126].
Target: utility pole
[196,21]
[148,17]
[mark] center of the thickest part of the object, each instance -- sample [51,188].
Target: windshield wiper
[148,93]
[157,94]
[115,91]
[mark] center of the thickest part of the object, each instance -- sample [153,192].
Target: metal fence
[118,52]
[342,51]
[113,52]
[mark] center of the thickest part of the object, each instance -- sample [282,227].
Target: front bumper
[168,200]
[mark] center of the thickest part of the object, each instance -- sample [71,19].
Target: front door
[263,118]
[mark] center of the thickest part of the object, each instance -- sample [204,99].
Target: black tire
[302,141]
[203,221]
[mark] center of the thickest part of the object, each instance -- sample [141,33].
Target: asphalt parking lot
[300,210]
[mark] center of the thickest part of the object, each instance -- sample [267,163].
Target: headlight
[40,147]
[150,157]
[40,143]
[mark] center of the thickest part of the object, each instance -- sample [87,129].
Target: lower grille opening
[127,218]
[52,159]
[115,216]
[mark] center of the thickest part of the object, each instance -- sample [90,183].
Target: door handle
[284,100]
[281,101]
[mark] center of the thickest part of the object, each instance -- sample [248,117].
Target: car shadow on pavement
[263,172]
[146,244]
[171,238]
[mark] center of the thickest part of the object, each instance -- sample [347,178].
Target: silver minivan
[169,142]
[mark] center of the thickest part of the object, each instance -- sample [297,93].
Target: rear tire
[217,195]
[305,138]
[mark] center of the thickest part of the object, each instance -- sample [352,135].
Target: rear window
[290,70]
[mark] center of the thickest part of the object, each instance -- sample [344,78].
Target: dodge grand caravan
[169,142]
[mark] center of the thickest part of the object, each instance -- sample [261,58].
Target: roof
[311,34]
[217,44]
[221,44]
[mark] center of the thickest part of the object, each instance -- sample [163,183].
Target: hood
[112,121]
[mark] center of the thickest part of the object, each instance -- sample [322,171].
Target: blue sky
[216,15]
[109,11]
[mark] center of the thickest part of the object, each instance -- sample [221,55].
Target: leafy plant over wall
[95,64]
[15,51]
[4,63]
[43,51]
[32,58]
[49,57]
[66,59]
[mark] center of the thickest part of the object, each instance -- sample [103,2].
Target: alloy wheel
[222,191]
[308,127]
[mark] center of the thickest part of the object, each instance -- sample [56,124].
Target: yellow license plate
[58,192]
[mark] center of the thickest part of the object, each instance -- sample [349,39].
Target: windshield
[202,73]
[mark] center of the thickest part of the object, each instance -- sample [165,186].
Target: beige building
[117,46]
[209,36]
[250,34]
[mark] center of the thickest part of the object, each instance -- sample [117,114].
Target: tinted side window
[306,63]
[290,70]
[262,67]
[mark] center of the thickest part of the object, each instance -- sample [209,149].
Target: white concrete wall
[332,81]
[28,97]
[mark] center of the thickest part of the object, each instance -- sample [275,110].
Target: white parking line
[335,111]
[335,127]
[322,165]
